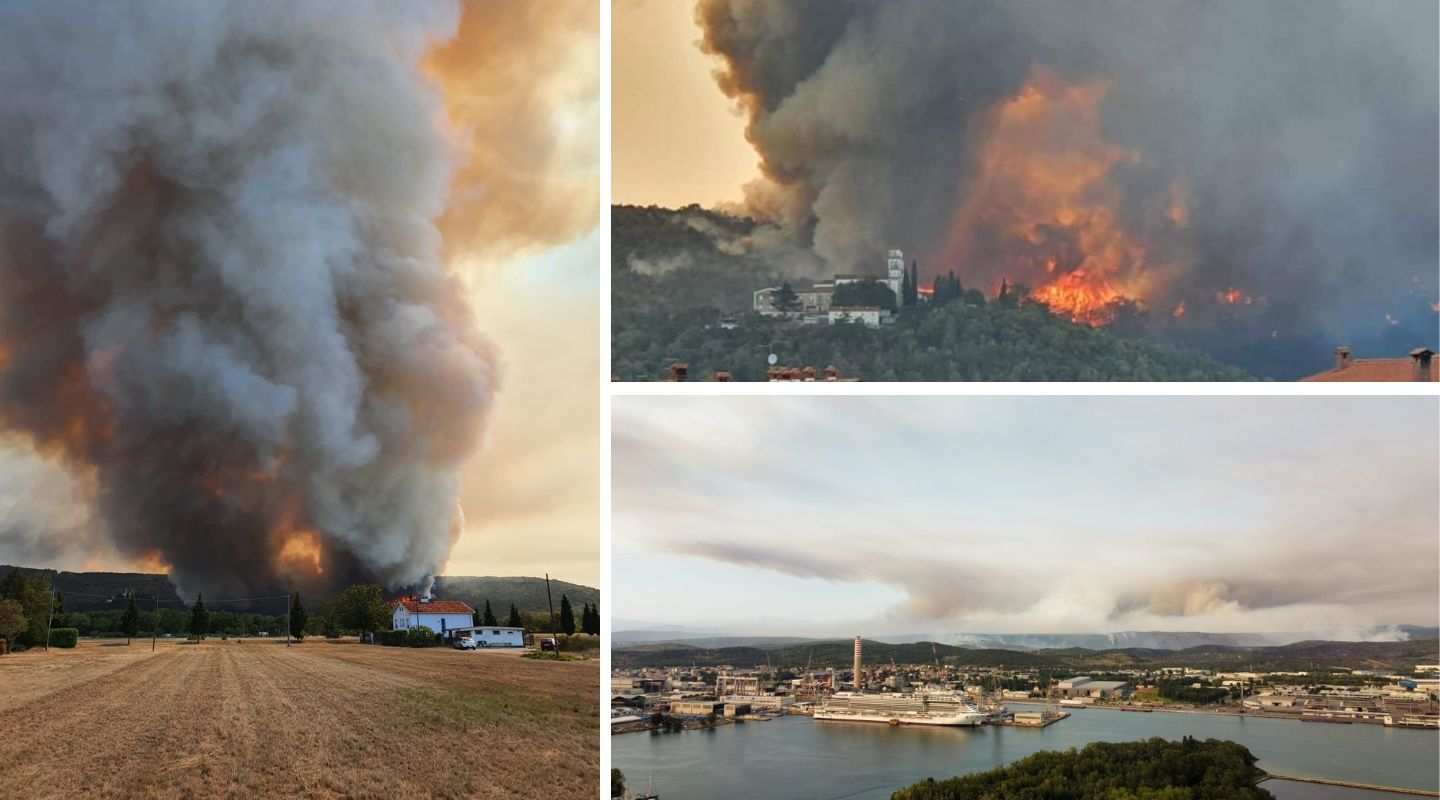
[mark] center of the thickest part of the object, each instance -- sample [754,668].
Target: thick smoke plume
[222,298]
[1256,174]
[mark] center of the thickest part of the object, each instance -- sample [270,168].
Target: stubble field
[254,718]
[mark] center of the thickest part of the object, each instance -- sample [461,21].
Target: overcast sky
[891,515]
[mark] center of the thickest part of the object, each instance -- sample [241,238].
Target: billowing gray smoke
[1299,138]
[221,294]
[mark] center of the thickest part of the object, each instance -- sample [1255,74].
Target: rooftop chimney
[1421,357]
[857,663]
[1342,357]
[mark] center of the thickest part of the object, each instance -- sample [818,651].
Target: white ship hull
[925,707]
[945,720]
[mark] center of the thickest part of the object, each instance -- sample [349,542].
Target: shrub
[392,638]
[64,637]
[420,636]
[579,642]
[538,656]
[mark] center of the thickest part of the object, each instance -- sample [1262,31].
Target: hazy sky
[891,515]
[532,495]
[676,138]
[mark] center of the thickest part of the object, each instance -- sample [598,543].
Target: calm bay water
[795,757]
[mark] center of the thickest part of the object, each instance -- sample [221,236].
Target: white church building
[815,301]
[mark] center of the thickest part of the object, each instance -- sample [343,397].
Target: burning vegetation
[1188,162]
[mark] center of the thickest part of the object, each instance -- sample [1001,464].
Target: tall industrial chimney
[857,663]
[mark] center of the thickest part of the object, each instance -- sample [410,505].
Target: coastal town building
[1086,687]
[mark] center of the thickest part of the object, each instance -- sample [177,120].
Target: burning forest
[229,306]
[1257,179]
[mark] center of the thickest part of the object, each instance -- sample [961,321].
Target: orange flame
[1233,296]
[1043,207]
[1091,301]
[300,551]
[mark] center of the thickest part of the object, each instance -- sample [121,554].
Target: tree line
[27,605]
[1155,769]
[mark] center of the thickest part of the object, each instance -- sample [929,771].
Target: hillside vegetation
[528,594]
[91,591]
[1155,769]
[676,275]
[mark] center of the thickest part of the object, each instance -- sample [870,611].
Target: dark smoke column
[1301,135]
[222,301]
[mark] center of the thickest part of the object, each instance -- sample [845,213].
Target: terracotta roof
[1381,370]
[435,607]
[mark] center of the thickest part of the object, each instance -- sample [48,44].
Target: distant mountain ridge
[1297,656]
[90,591]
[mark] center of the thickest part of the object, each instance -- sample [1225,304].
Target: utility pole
[554,634]
[48,618]
[287,620]
[155,625]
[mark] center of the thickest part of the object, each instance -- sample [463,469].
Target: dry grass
[256,719]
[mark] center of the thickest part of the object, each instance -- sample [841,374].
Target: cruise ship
[929,706]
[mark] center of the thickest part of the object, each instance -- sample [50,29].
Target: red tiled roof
[435,607]
[1382,370]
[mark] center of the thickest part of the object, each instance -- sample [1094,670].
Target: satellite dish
[771,359]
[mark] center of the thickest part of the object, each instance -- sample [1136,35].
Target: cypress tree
[199,617]
[567,616]
[298,618]
[514,621]
[489,617]
[130,621]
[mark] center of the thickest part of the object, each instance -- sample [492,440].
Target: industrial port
[946,695]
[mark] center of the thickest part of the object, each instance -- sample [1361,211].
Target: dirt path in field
[257,719]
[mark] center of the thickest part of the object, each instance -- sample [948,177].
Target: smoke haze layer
[1257,175]
[222,301]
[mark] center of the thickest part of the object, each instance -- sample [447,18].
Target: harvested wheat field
[254,718]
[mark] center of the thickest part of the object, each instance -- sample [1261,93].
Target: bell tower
[895,275]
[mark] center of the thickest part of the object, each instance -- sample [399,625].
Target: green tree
[130,621]
[199,617]
[60,618]
[514,621]
[12,622]
[489,617]
[33,595]
[617,783]
[786,299]
[420,636]
[567,616]
[298,618]
[362,608]
[863,294]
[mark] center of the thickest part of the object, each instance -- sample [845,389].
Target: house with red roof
[442,616]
